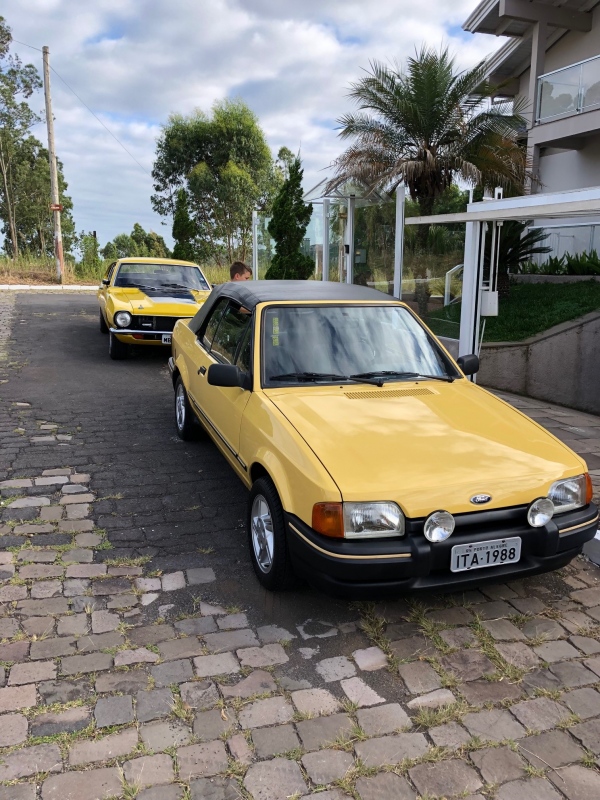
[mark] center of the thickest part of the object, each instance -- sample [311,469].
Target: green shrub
[580,264]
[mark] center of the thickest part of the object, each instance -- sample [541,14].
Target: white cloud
[135,61]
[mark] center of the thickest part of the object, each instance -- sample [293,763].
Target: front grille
[146,323]
[476,523]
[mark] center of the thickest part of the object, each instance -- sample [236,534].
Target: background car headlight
[571,493]
[439,526]
[122,319]
[540,512]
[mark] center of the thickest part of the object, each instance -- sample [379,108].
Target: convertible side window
[244,359]
[233,325]
[110,271]
[211,325]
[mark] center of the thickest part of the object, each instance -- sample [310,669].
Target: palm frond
[427,123]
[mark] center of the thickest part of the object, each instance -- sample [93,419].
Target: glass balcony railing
[569,91]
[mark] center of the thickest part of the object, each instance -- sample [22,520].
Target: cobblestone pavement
[138,658]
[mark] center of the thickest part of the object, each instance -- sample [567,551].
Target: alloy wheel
[180,407]
[262,533]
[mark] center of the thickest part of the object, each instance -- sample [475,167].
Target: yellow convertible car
[141,299]
[374,465]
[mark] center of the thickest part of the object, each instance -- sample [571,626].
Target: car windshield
[158,277]
[328,344]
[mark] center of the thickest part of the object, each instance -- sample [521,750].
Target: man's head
[240,271]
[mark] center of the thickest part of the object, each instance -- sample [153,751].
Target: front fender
[270,442]
[273,466]
[182,370]
[114,304]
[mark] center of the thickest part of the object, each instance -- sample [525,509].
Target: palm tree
[427,126]
[516,247]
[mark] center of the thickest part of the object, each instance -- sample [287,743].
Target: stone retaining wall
[561,365]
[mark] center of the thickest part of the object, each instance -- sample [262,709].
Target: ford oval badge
[480,499]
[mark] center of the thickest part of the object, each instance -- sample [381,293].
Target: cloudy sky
[133,62]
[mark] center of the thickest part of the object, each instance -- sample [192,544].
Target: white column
[399,240]
[255,245]
[325,240]
[539,36]
[350,237]
[469,313]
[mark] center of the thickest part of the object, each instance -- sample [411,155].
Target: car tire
[116,349]
[103,325]
[267,538]
[185,420]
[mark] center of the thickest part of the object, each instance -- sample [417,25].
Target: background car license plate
[485,554]
[166,338]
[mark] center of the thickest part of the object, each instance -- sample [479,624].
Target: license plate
[485,554]
[166,338]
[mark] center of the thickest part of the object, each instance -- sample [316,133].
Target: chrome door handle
[202,371]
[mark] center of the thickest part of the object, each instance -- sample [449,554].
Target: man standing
[240,271]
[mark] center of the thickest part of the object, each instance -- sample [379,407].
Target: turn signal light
[589,489]
[328,519]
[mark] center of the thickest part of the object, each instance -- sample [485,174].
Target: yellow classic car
[141,299]
[374,465]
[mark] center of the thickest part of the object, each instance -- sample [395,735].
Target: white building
[553,60]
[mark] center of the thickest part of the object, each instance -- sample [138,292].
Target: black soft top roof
[250,293]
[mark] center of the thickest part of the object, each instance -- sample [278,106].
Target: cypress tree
[288,224]
[184,230]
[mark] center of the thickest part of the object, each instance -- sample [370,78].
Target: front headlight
[571,493]
[358,520]
[372,520]
[122,319]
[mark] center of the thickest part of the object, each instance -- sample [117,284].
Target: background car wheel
[116,349]
[103,325]
[184,416]
[267,538]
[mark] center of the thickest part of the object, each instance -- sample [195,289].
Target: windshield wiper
[139,286]
[175,286]
[323,376]
[387,373]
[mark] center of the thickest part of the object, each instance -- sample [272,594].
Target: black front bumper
[371,568]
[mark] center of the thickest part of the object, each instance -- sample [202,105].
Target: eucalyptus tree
[17,83]
[223,163]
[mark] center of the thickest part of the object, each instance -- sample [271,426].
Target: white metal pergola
[351,196]
[485,218]
[479,298]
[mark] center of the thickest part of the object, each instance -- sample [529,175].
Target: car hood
[428,445]
[169,302]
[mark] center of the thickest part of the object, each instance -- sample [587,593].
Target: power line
[28,45]
[119,142]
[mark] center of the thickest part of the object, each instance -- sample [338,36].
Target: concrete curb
[35,287]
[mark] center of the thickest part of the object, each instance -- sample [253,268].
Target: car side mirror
[468,364]
[105,281]
[227,375]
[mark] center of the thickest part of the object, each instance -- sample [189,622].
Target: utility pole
[55,205]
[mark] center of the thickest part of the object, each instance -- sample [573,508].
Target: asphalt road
[177,502]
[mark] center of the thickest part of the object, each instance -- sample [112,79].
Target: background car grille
[143,323]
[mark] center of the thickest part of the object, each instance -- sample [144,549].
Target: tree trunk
[9,208]
[42,240]
[503,284]
[422,291]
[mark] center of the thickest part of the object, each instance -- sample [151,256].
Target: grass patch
[487,646]
[531,308]
[432,717]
